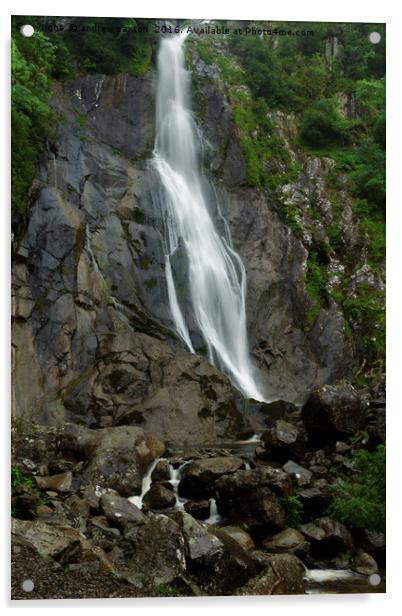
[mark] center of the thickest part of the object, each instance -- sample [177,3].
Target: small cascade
[214,516]
[146,484]
[175,475]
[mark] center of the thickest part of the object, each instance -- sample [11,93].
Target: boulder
[315,501]
[63,543]
[373,542]
[250,498]
[239,535]
[161,471]
[328,538]
[288,540]
[78,506]
[363,563]
[159,497]
[284,576]
[283,440]
[116,457]
[301,475]
[203,549]
[198,509]
[198,477]
[155,554]
[120,511]
[333,412]
[60,483]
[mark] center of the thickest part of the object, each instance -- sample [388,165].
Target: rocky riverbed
[117,512]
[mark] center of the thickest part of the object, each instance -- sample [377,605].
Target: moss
[144,262]
[81,120]
[151,283]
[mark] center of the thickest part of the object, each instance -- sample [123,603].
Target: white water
[175,474]
[216,277]
[214,516]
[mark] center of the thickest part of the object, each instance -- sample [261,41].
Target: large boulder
[333,412]
[283,440]
[250,498]
[154,553]
[203,549]
[283,576]
[63,543]
[159,496]
[329,538]
[198,477]
[288,540]
[115,457]
[120,511]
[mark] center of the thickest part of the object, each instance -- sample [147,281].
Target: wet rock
[328,537]
[157,555]
[198,509]
[159,497]
[119,510]
[284,576]
[250,497]
[283,440]
[203,549]
[116,457]
[302,475]
[198,476]
[288,540]
[161,471]
[333,411]
[64,543]
[363,563]
[60,483]
[239,535]
[78,506]
[315,501]
[373,542]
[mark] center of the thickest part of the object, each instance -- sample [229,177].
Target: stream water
[210,270]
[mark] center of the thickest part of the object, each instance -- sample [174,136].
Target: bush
[323,126]
[360,503]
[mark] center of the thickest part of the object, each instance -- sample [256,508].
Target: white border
[342,10]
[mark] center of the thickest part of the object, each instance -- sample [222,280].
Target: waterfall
[216,278]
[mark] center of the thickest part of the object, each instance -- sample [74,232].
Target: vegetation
[334,84]
[110,46]
[294,510]
[360,502]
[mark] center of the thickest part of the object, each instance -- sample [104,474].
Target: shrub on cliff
[360,502]
[323,126]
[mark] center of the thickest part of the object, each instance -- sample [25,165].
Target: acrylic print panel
[198,213]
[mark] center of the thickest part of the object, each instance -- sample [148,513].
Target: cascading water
[216,275]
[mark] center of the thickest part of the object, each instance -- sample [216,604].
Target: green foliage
[81,120]
[323,126]
[167,590]
[32,60]
[112,45]
[18,478]
[316,280]
[294,510]
[360,502]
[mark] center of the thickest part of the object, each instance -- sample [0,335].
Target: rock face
[92,338]
[333,411]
